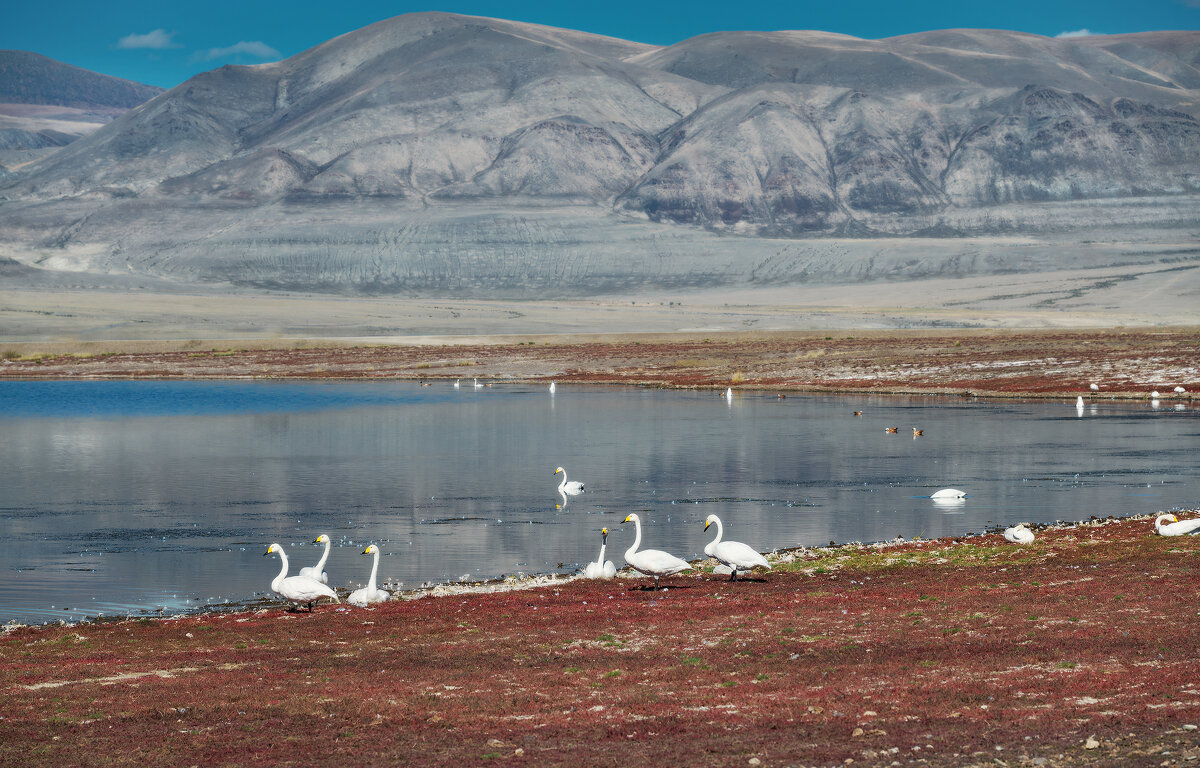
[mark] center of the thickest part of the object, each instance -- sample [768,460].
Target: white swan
[729,394]
[734,554]
[318,571]
[651,562]
[369,594]
[1180,390]
[552,387]
[456,384]
[1094,387]
[1154,395]
[601,569]
[478,385]
[1175,526]
[949,493]
[568,488]
[1019,534]
[298,589]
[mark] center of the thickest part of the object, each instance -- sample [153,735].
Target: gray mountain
[441,153]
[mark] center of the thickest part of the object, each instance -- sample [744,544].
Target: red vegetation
[997,363]
[1080,649]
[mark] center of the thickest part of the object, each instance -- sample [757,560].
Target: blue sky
[164,43]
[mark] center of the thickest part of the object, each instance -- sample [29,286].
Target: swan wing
[609,571]
[309,572]
[735,553]
[948,493]
[304,590]
[592,571]
[1179,528]
[655,562]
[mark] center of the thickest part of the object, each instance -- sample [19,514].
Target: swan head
[273,549]
[604,531]
[710,520]
[631,518]
[371,550]
[322,539]
[560,469]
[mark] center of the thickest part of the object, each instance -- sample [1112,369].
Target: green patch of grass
[572,670]
[1066,665]
[613,673]
[762,677]
[728,684]
[692,660]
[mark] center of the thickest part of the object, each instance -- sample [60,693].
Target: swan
[729,394]
[298,589]
[949,493]
[1180,390]
[601,569]
[572,488]
[318,571]
[651,562]
[552,387]
[1154,395]
[1019,534]
[1094,387]
[734,554]
[369,594]
[1175,526]
[456,383]
[477,384]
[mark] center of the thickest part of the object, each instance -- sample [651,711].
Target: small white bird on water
[568,488]
[553,387]
[1019,534]
[949,493]
[318,571]
[1174,526]
[369,594]
[298,589]
[1154,395]
[651,562]
[477,384]
[733,554]
[456,384]
[729,394]
[601,569]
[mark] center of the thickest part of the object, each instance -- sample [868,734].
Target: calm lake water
[119,497]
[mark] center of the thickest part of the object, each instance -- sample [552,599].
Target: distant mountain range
[433,152]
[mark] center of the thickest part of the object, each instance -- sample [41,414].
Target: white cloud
[1077,33]
[255,48]
[159,39]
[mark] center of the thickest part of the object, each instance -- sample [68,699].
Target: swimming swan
[651,562]
[601,569]
[369,594]
[318,571]
[1174,526]
[734,554]
[949,493]
[571,488]
[298,589]
[1019,534]
[552,387]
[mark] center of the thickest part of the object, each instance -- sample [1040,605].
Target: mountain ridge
[788,134]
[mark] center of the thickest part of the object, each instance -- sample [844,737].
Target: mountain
[46,104]
[440,153]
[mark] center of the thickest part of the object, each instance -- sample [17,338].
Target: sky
[164,43]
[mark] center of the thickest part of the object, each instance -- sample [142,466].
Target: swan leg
[733,575]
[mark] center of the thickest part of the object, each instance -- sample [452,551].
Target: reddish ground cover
[1080,649]
[1123,363]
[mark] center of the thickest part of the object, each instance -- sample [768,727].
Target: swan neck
[720,533]
[562,486]
[283,567]
[637,538]
[321,563]
[374,570]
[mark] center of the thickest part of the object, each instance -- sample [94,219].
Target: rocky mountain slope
[434,152]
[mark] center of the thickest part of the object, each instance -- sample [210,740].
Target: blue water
[120,497]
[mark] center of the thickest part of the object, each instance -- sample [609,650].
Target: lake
[134,496]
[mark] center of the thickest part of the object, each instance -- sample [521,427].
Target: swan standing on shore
[317,571]
[1019,534]
[298,589]
[369,594]
[1174,526]
[601,569]
[568,487]
[734,554]
[651,562]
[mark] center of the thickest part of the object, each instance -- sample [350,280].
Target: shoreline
[1075,650]
[1125,364]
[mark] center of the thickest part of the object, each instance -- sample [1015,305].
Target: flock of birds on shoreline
[311,583]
